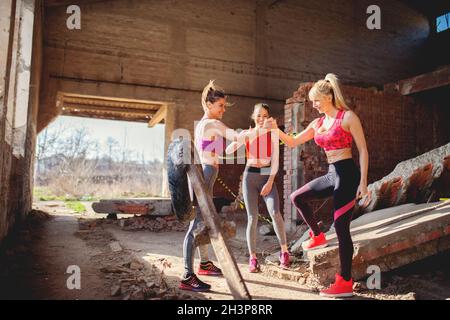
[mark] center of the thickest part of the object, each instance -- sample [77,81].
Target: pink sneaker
[253,265]
[284,260]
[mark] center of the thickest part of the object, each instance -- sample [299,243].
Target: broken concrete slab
[296,248]
[414,180]
[147,206]
[408,238]
[388,238]
[150,223]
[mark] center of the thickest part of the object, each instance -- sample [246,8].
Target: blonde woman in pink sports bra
[334,132]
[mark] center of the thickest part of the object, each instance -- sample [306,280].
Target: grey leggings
[253,183]
[210,176]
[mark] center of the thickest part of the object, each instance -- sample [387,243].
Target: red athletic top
[335,137]
[259,148]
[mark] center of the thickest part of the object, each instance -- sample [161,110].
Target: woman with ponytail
[208,136]
[262,150]
[335,132]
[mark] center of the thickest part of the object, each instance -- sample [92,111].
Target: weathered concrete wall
[168,50]
[19,108]
[6,8]
[256,49]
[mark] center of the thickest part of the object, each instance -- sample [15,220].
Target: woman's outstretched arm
[300,138]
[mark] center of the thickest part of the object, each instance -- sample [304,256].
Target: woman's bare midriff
[339,154]
[259,164]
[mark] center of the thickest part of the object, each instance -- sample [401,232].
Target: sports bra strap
[341,114]
[319,123]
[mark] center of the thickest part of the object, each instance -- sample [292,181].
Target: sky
[136,136]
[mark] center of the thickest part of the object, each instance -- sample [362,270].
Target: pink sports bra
[335,137]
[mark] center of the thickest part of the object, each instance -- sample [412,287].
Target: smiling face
[322,103]
[260,114]
[217,109]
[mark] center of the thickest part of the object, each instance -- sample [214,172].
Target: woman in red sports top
[262,149]
[335,132]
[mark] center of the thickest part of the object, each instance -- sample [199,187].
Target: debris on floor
[152,224]
[129,277]
[137,223]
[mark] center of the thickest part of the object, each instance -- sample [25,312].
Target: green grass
[76,206]
[45,194]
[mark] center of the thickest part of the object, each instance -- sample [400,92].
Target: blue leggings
[341,182]
[210,175]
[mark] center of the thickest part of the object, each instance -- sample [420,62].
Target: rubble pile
[132,281]
[153,224]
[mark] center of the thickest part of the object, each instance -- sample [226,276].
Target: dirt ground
[119,262]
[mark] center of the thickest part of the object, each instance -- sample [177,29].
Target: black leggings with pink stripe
[341,182]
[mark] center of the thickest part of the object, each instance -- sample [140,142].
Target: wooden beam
[112,101]
[423,82]
[224,255]
[158,116]
[82,107]
[104,116]
[66,3]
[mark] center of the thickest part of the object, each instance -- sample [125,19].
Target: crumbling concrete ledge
[414,234]
[412,181]
[388,238]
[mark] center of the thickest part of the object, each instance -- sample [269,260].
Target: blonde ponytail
[326,87]
[338,97]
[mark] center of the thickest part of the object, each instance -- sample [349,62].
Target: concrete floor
[35,264]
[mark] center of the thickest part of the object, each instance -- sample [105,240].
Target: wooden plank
[423,82]
[201,234]
[117,110]
[224,255]
[158,116]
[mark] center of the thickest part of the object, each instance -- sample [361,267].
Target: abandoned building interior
[148,61]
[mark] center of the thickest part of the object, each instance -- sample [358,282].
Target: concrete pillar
[290,218]
[16,38]
[169,128]
[34,96]
[20,74]
[7,7]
